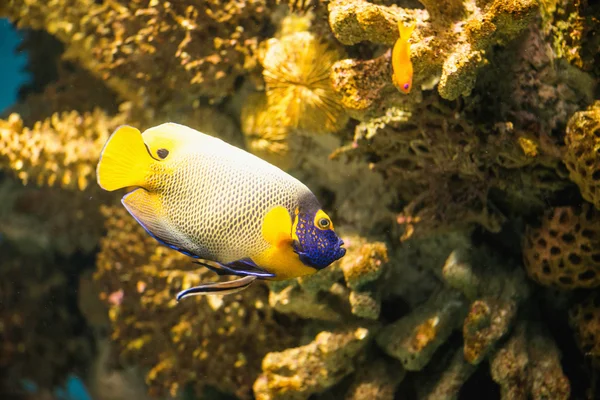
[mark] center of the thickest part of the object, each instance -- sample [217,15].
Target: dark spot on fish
[406,86]
[162,153]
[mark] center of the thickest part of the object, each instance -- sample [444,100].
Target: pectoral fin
[220,288]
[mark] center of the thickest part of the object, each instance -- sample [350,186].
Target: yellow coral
[148,51]
[298,373]
[60,151]
[582,155]
[298,88]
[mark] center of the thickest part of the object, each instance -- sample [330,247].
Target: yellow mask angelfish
[213,201]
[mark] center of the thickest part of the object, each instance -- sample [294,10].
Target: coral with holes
[449,45]
[214,340]
[582,155]
[563,251]
[585,321]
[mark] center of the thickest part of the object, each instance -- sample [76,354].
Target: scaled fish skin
[401,63]
[213,201]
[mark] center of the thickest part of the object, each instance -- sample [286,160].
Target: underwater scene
[299,199]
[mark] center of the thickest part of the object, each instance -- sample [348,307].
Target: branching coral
[563,251]
[414,338]
[60,151]
[450,42]
[153,51]
[375,380]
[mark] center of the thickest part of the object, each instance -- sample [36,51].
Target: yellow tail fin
[124,161]
[406,30]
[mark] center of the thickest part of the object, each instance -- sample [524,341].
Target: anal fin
[242,267]
[221,288]
[147,210]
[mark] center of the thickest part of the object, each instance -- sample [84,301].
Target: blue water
[74,389]
[12,64]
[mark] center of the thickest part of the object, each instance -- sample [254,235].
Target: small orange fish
[403,69]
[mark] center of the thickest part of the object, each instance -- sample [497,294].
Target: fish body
[401,63]
[213,201]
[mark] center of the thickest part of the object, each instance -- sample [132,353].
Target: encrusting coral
[299,372]
[439,50]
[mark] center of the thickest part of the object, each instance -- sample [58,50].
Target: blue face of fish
[315,242]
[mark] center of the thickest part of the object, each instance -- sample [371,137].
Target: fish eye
[406,85]
[162,153]
[324,223]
